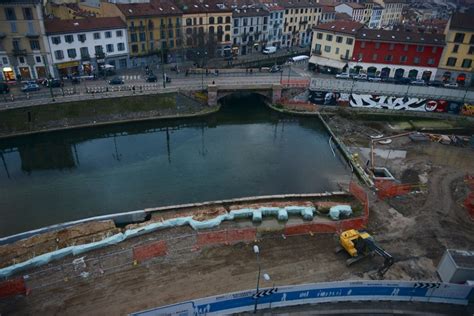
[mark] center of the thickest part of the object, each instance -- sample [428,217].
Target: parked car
[418,82]
[30,87]
[54,83]
[116,80]
[451,85]
[361,77]
[402,80]
[374,79]
[151,78]
[4,88]
[343,75]
[389,80]
[269,50]
[436,83]
[275,68]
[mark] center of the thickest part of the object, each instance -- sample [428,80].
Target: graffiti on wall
[386,102]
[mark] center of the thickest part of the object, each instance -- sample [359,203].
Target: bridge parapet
[271,91]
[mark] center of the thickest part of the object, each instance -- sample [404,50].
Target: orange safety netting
[469,201]
[388,189]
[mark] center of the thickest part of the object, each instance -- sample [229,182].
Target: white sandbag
[338,211]
[282,215]
[257,216]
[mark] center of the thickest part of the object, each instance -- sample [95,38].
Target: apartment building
[300,18]
[24,51]
[392,13]
[81,46]
[275,32]
[250,30]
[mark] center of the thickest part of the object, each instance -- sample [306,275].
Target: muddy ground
[414,228]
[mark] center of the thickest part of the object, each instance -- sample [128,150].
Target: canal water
[243,150]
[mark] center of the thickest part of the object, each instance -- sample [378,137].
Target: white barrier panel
[321,293]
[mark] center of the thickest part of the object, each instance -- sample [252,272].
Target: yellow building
[81,10]
[456,62]
[207,26]
[24,50]
[299,19]
[333,45]
[154,31]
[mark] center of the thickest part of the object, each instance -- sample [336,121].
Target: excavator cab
[359,245]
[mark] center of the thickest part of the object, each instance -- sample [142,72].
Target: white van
[269,50]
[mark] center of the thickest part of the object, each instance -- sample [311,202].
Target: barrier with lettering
[12,287]
[321,293]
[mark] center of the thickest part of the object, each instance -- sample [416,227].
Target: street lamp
[256,250]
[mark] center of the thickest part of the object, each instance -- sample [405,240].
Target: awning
[321,61]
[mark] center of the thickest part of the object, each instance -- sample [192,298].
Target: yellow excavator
[359,245]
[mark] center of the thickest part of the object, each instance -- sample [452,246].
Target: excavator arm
[388,262]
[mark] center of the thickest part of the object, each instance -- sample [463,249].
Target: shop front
[25,73]
[8,74]
[68,68]
[87,68]
[41,71]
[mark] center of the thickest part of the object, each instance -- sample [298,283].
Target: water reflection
[244,150]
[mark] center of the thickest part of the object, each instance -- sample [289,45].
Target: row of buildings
[42,38]
[349,46]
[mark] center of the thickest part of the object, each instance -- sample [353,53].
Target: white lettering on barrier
[321,293]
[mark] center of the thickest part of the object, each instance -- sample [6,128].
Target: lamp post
[256,250]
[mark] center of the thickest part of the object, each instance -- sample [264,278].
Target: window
[21,59]
[362,44]
[434,49]
[451,61]
[143,47]
[5,60]
[68,38]
[134,48]
[377,45]
[151,36]
[71,53]
[328,37]
[38,59]
[374,57]
[405,48]
[455,48]
[84,52]
[338,39]
[471,50]
[391,46]
[13,27]
[108,34]
[56,40]
[220,20]
[236,22]
[471,42]
[227,19]
[211,20]
[58,54]
[109,48]
[327,49]
[81,38]
[35,45]
[133,37]
[171,44]
[466,63]
[142,36]
[227,27]
[98,49]
[119,33]
[319,35]
[337,50]
[10,14]
[420,48]
[27,14]
[431,61]
[349,41]
[416,60]
[388,58]
[96,35]
[170,33]
[16,44]
[120,47]
[459,37]
[360,56]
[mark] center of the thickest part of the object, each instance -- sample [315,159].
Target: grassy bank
[83,113]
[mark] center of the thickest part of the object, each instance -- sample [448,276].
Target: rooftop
[401,36]
[301,4]
[464,259]
[343,17]
[345,27]
[196,6]
[462,21]
[82,25]
[249,12]
[353,5]
[153,8]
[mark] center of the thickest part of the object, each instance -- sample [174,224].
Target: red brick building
[397,53]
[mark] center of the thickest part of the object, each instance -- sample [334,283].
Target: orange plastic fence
[12,287]
[149,251]
[322,228]
[225,236]
[296,82]
[469,201]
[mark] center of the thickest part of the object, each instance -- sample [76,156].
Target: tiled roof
[401,37]
[83,25]
[354,5]
[341,16]
[249,12]
[196,6]
[345,27]
[462,21]
[300,4]
[274,7]
[328,9]
[153,8]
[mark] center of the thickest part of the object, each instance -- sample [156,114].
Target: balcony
[19,52]
[131,28]
[32,34]
[345,57]
[85,57]
[303,22]
[316,52]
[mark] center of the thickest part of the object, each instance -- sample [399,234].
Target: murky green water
[244,150]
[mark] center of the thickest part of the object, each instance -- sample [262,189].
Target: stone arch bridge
[271,91]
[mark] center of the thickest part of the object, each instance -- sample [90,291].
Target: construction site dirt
[415,228]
